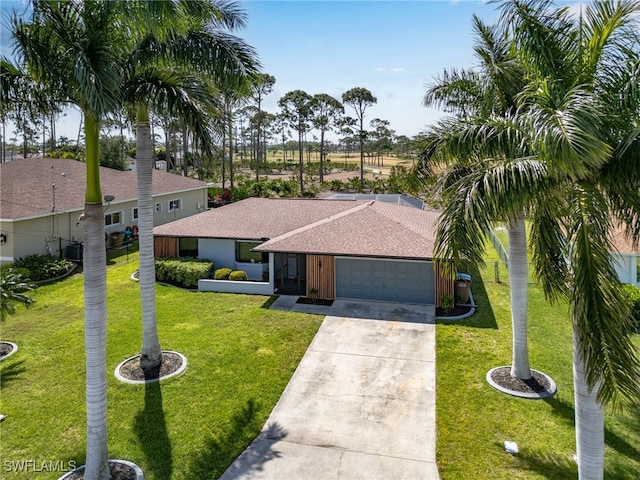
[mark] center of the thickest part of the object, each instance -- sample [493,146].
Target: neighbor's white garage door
[388,280]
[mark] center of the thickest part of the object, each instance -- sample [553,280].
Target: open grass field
[338,159]
[240,357]
[474,420]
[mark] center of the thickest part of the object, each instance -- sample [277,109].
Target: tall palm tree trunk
[518,277]
[95,312]
[231,152]
[150,353]
[589,419]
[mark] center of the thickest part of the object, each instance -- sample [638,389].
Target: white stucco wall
[626,266]
[229,286]
[223,254]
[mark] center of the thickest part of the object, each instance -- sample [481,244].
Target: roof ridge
[328,219]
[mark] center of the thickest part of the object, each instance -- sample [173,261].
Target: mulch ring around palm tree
[131,371]
[117,471]
[538,386]
[6,349]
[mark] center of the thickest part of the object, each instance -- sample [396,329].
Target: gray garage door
[389,280]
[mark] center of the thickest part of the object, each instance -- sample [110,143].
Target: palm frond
[601,315]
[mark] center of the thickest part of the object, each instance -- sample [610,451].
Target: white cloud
[392,69]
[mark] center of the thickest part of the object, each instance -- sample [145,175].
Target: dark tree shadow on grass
[151,429]
[566,411]
[484,316]
[270,301]
[550,467]
[11,370]
[224,446]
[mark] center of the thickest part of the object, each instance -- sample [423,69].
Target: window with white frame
[134,214]
[113,218]
[175,204]
[158,207]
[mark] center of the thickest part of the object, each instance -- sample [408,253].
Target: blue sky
[392,48]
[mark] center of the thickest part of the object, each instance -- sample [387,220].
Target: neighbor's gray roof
[336,227]
[396,198]
[26,186]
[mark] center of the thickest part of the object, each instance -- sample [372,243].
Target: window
[113,218]
[134,213]
[158,207]
[244,253]
[175,204]
[638,269]
[188,247]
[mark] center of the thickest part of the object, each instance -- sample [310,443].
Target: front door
[291,271]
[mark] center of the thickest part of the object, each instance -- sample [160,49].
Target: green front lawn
[240,357]
[474,420]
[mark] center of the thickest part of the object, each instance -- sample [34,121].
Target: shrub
[633,294]
[23,272]
[222,274]
[238,275]
[447,302]
[183,271]
[43,267]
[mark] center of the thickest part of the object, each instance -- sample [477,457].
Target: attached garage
[406,281]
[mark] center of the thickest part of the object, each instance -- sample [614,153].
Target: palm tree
[585,108]
[576,179]
[13,290]
[481,99]
[70,48]
[175,71]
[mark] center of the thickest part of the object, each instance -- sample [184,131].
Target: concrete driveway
[361,404]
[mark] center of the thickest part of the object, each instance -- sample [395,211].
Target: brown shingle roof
[373,229]
[337,227]
[621,243]
[254,218]
[26,186]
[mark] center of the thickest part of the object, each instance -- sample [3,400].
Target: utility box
[74,251]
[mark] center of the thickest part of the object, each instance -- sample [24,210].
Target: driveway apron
[360,405]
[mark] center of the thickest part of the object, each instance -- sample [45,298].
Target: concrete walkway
[361,404]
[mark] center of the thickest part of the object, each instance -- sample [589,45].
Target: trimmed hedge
[222,274]
[42,267]
[183,271]
[633,294]
[238,275]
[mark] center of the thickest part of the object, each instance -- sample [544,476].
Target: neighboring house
[333,248]
[42,201]
[626,259]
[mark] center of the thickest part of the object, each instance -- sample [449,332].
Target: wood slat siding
[444,282]
[321,275]
[164,247]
